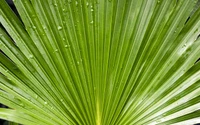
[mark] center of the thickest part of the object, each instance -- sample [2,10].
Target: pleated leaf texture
[100,62]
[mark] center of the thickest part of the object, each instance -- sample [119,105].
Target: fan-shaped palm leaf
[103,62]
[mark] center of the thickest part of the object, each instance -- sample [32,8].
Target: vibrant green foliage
[103,62]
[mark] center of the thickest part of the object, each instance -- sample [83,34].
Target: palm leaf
[103,62]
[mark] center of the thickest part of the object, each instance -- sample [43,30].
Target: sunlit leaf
[100,62]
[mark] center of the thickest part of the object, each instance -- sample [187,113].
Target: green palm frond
[100,62]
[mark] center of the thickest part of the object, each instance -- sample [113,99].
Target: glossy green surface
[100,62]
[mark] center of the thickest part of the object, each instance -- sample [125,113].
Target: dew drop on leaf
[21,104]
[59,28]
[55,5]
[25,62]
[36,96]
[44,28]
[33,16]
[91,22]
[45,103]
[30,56]
[34,27]
[66,46]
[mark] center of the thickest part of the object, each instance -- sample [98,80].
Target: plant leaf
[102,62]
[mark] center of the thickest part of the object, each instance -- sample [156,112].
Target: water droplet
[59,28]
[76,3]
[55,5]
[36,96]
[158,1]
[45,103]
[30,56]
[63,39]
[29,98]
[92,22]
[87,4]
[175,31]
[78,62]
[66,46]
[33,16]
[10,80]
[25,62]
[56,50]
[92,10]
[34,27]
[61,100]
[44,28]
[21,104]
